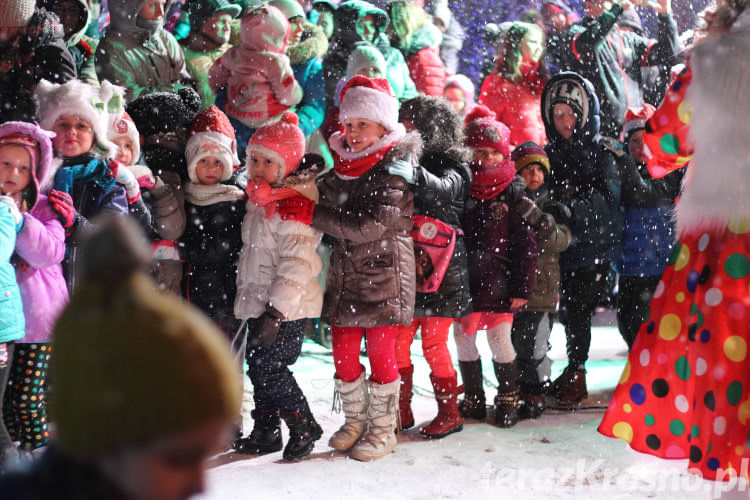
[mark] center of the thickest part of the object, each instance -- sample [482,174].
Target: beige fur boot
[354,401]
[381,422]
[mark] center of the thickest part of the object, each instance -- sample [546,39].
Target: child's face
[298,29]
[366,27]
[533,174]
[532,45]
[370,72]
[361,133]
[565,119]
[325,21]
[218,28]
[456,98]
[264,168]
[124,150]
[15,169]
[487,156]
[153,10]
[209,170]
[75,136]
[636,147]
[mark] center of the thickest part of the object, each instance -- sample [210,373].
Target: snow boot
[353,400]
[404,399]
[506,401]
[531,402]
[382,413]
[473,404]
[265,437]
[448,419]
[571,389]
[303,432]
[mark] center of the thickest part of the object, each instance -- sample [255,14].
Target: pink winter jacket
[259,78]
[428,71]
[40,248]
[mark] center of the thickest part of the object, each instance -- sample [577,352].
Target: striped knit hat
[528,153]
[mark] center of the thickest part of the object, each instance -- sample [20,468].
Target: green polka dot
[700,319]
[682,367]
[670,144]
[649,419]
[676,427]
[695,431]
[737,265]
[734,393]
[675,254]
[693,308]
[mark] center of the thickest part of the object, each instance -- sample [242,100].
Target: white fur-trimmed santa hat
[90,103]
[371,99]
[122,125]
[281,140]
[212,135]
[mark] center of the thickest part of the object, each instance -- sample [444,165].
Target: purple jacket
[502,251]
[40,248]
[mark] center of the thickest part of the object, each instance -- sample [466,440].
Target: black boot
[506,401]
[303,432]
[473,404]
[265,438]
[531,403]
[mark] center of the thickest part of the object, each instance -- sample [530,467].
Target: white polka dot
[645,357]
[700,366]
[703,242]
[659,290]
[713,297]
[681,403]
[720,425]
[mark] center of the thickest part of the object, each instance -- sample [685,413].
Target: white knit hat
[16,12]
[84,100]
[371,99]
[122,125]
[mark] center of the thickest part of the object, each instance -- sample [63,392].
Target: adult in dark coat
[583,178]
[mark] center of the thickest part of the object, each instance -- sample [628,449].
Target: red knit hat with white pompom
[482,130]
[371,99]
[212,134]
[281,140]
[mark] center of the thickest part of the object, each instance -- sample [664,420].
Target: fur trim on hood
[438,124]
[314,44]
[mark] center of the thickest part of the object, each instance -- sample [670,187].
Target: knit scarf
[358,166]
[490,180]
[266,196]
[81,169]
[203,195]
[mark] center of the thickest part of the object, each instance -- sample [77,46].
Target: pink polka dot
[663,120]
[661,358]
[736,310]
[674,451]
[719,372]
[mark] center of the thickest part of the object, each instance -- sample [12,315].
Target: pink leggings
[381,351]
[434,345]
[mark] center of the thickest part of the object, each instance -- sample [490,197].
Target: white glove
[17,216]
[126,178]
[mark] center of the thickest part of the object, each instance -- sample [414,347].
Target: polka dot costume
[24,409]
[684,390]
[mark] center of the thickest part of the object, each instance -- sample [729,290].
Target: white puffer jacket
[278,264]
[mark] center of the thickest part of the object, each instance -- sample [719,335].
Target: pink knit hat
[212,135]
[32,136]
[281,140]
[16,12]
[121,125]
[484,131]
[371,99]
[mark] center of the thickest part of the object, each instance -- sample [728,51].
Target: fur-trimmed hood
[439,125]
[314,44]
[408,147]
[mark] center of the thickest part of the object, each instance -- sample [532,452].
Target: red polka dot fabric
[684,390]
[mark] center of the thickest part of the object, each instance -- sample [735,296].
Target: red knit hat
[212,135]
[282,140]
[371,99]
[482,130]
[636,118]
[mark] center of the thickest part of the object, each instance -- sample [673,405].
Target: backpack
[434,241]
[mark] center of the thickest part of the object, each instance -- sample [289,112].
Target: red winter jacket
[427,70]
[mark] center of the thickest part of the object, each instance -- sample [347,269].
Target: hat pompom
[191,99]
[479,111]
[290,118]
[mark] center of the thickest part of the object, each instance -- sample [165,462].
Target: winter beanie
[484,131]
[38,142]
[212,134]
[281,140]
[133,365]
[121,125]
[528,153]
[568,91]
[635,119]
[462,83]
[290,8]
[200,11]
[80,99]
[365,54]
[16,12]
[163,112]
[371,99]
[331,5]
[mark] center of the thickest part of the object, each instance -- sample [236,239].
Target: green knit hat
[200,11]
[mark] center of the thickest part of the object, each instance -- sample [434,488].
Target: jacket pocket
[371,279]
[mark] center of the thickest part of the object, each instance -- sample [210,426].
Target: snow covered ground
[558,456]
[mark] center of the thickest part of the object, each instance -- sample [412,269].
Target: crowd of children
[446,211]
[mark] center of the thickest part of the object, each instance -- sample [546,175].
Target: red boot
[448,419]
[404,399]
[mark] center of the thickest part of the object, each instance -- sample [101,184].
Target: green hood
[349,14]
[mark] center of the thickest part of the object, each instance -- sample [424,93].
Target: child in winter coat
[441,185]
[85,184]
[39,251]
[459,91]
[259,81]
[159,199]
[533,325]
[584,178]
[277,289]
[502,256]
[371,280]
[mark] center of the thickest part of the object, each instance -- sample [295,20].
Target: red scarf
[266,197]
[358,166]
[491,180]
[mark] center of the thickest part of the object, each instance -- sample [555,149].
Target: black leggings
[633,297]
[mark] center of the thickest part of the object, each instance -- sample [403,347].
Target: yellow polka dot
[681,160]
[680,297]
[622,430]
[669,326]
[735,348]
[743,413]
[682,258]
[625,373]
[627,408]
[739,225]
[685,112]
[739,449]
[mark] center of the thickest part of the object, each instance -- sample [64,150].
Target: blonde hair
[509,54]
[406,19]
[722,15]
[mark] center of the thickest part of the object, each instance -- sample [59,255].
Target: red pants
[434,345]
[381,347]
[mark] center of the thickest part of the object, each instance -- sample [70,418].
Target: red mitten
[62,204]
[297,208]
